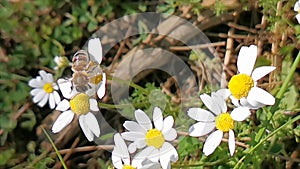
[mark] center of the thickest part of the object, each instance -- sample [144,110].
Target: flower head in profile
[61,62]
[153,140]
[216,122]
[297,9]
[81,105]
[243,86]
[44,90]
[122,160]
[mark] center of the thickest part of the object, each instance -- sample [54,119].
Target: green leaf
[6,155]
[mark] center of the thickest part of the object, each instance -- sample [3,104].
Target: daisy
[243,86]
[297,9]
[216,122]
[81,105]
[61,62]
[121,158]
[44,90]
[153,140]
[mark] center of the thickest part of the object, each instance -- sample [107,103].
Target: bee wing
[95,49]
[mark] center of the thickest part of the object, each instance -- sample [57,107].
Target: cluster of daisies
[147,143]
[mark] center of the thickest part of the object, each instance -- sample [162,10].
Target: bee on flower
[217,121]
[243,86]
[154,142]
[87,75]
[45,90]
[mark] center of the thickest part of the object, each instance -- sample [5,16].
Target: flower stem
[55,149]
[265,139]
[289,77]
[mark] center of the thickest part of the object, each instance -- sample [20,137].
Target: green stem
[132,84]
[266,138]
[54,147]
[289,77]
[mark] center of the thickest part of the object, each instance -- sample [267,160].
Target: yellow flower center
[80,104]
[240,85]
[96,79]
[224,122]
[155,138]
[48,88]
[128,167]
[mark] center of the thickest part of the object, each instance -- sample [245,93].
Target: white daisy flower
[122,160]
[61,62]
[44,90]
[243,86]
[142,134]
[82,105]
[297,9]
[217,121]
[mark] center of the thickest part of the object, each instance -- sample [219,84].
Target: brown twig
[186,48]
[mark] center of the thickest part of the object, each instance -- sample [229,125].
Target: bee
[87,75]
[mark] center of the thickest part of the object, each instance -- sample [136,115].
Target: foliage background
[33,32]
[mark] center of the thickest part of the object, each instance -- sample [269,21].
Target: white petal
[200,115]
[117,161]
[62,121]
[140,143]
[157,118]
[36,83]
[143,119]
[145,154]
[151,165]
[34,92]
[85,128]
[246,59]
[132,147]
[133,136]
[219,101]
[298,18]
[234,101]
[261,96]
[65,87]
[201,128]
[170,135]
[231,142]
[224,93]
[39,96]
[168,124]
[133,126]
[92,123]
[63,105]
[43,101]
[51,101]
[120,148]
[101,91]
[95,49]
[261,72]
[43,74]
[212,142]
[240,113]
[168,152]
[210,104]
[56,97]
[297,6]
[94,105]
